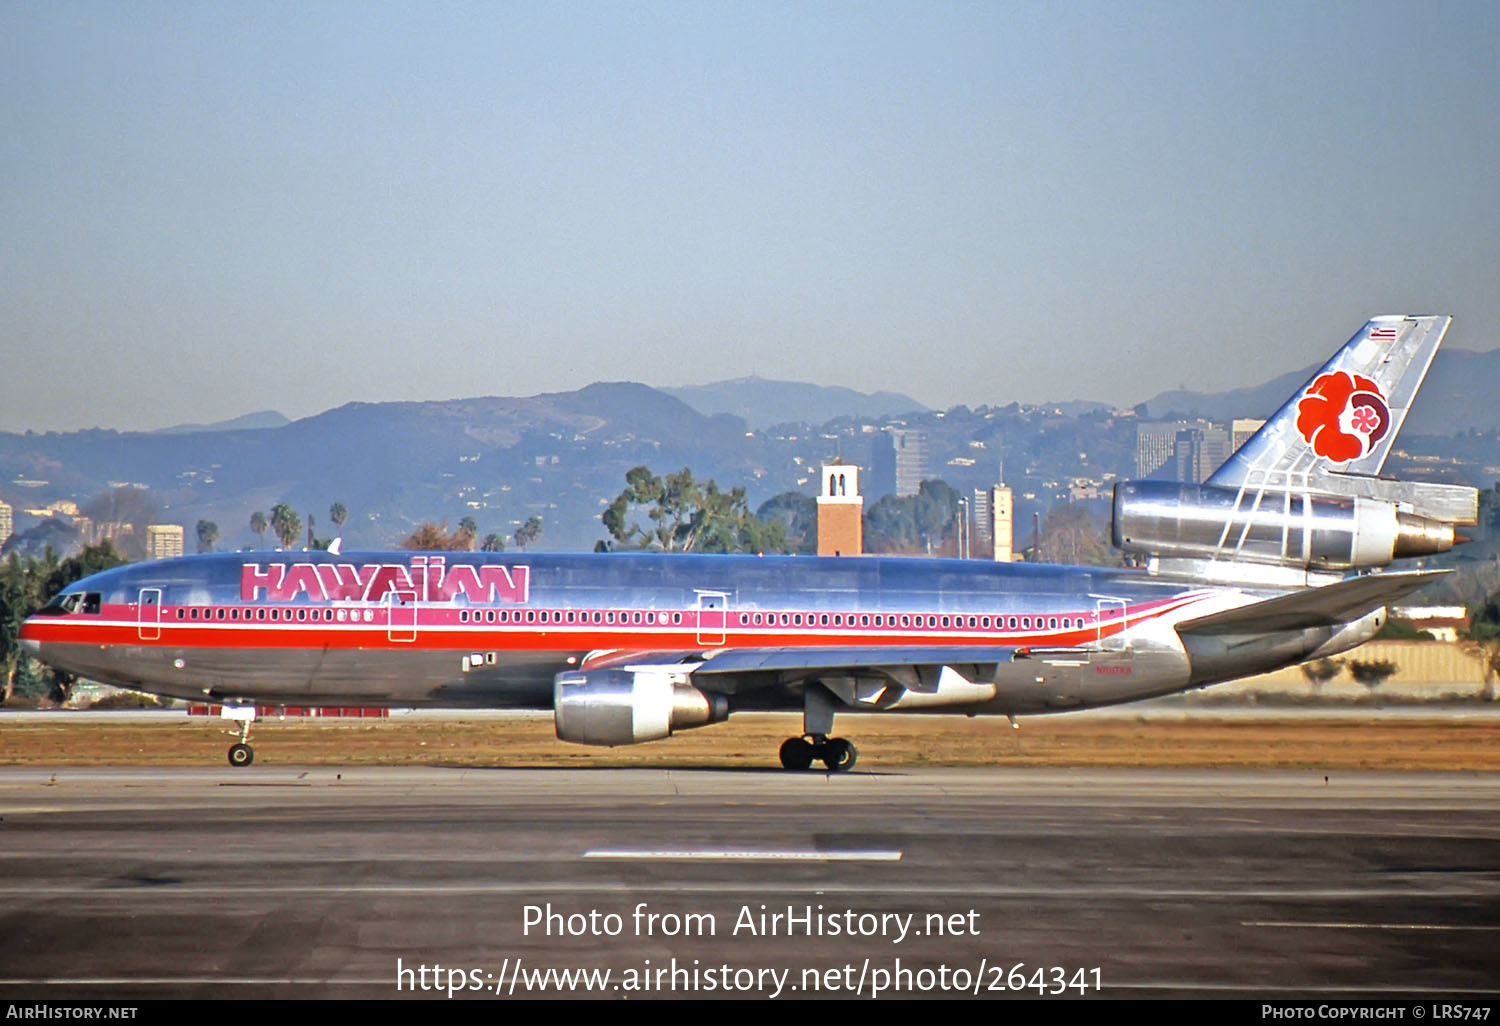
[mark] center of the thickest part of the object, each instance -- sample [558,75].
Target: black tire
[839,755]
[241,755]
[796,754]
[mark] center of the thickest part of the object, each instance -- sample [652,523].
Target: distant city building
[1181,450]
[911,460]
[7,522]
[1199,451]
[163,541]
[1002,526]
[1445,623]
[991,534]
[1242,429]
[840,511]
[981,533]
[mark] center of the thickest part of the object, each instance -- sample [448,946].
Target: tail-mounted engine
[626,707]
[1304,530]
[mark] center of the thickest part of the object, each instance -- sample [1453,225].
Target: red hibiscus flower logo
[1342,416]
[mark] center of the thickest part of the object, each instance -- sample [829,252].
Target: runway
[308,883]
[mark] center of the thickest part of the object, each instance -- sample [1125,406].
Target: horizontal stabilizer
[1328,606]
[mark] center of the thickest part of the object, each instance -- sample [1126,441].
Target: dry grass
[884,742]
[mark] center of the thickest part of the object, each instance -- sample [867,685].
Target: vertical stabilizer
[1346,417]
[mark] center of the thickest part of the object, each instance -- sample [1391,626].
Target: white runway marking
[1363,926]
[742,855]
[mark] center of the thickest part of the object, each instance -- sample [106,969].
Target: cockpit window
[72,602]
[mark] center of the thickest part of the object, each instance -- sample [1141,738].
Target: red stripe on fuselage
[438,630]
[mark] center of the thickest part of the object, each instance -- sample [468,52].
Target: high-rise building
[992,532]
[840,511]
[1199,451]
[163,541]
[1242,430]
[981,534]
[1002,523]
[911,460]
[7,522]
[1154,446]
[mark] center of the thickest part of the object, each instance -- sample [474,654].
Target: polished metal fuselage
[210,628]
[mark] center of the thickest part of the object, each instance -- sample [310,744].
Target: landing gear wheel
[241,755]
[839,754]
[796,754]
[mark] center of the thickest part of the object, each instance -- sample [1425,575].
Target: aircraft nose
[29,645]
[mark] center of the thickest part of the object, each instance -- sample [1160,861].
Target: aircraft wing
[854,661]
[1327,606]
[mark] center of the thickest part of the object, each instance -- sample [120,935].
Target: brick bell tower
[841,511]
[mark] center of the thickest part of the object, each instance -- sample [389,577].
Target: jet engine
[1292,529]
[626,707]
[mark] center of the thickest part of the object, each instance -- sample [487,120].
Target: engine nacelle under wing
[1289,529]
[626,707]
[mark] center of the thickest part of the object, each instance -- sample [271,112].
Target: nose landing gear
[240,754]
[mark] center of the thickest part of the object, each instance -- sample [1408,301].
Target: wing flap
[1327,606]
[850,660]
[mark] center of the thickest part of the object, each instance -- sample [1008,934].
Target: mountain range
[563,456]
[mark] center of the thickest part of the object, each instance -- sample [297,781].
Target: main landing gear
[837,753]
[240,754]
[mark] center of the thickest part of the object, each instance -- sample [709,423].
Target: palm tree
[528,533]
[258,524]
[338,513]
[493,543]
[468,531]
[208,533]
[286,524]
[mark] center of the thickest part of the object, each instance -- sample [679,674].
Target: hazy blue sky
[212,208]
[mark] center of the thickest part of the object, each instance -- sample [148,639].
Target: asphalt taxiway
[134,883]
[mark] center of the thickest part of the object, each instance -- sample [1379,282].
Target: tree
[208,534]
[285,524]
[1371,672]
[798,515]
[912,524]
[492,543]
[1321,671]
[468,530]
[686,516]
[430,537]
[258,524]
[528,532]
[338,513]
[1071,535]
[25,586]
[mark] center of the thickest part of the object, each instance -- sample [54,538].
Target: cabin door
[148,615]
[713,617]
[1110,624]
[401,620]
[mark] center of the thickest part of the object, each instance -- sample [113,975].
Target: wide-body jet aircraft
[1273,561]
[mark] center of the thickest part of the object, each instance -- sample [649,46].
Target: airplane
[1276,559]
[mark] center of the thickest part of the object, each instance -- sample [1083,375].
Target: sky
[208,209]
